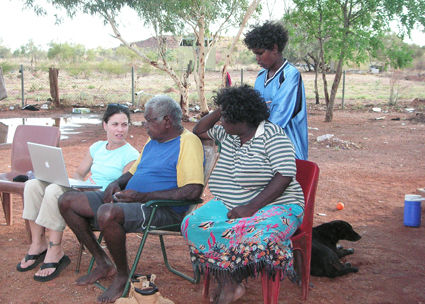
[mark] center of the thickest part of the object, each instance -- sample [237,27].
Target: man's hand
[115,187]
[241,211]
[129,196]
[109,192]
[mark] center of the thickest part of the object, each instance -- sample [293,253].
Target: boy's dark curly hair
[266,36]
[241,104]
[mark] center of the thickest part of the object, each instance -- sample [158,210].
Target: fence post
[343,88]
[241,76]
[54,86]
[22,85]
[132,86]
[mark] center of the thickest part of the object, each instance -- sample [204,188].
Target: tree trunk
[322,63]
[248,15]
[184,95]
[334,90]
[316,87]
[54,86]
[201,68]
[184,104]
[338,74]
[316,76]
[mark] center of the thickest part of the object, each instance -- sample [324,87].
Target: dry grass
[88,88]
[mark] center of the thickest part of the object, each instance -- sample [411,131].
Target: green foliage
[245,57]
[66,52]
[183,16]
[144,70]
[126,53]
[44,65]
[78,72]
[164,16]
[16,53]
[350,31]
[104,52]
[113,67]
[91,54]
[400,56]
[7,66]
[4,51]
[391,51]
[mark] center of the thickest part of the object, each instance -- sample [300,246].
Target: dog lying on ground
[325,253]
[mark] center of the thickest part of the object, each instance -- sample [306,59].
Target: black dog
[325,253]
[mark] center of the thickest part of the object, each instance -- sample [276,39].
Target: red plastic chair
[21,163]
[308,177]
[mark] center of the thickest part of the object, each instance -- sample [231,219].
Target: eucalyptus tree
[302,48]
[249,12]
[204,19]
[395,53]
[33,51]
[347,30]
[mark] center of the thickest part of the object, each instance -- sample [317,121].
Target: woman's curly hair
[266,36]
[241,104]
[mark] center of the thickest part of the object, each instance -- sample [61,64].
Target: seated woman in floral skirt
[258,204]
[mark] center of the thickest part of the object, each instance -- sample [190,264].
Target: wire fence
[89,87]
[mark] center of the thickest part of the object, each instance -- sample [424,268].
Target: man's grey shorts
[136,214]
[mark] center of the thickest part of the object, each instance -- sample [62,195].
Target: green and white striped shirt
[242,172]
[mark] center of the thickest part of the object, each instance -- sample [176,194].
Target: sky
[18,26]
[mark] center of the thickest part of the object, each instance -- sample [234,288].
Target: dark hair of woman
[113,109]
[241,104]
[266,36]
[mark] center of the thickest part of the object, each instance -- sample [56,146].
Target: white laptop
[49,166]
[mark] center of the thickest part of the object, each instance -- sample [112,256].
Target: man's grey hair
[163,105]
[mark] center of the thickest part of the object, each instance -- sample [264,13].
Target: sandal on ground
[37,257]
[61,265]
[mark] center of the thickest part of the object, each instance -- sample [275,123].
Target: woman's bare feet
[98,273]
[53,255]
[215,294]
[34,250]
[227,294]
[115,290]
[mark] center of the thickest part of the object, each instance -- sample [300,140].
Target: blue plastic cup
[412,210]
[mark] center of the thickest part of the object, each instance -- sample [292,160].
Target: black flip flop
[61,265]
[37,257]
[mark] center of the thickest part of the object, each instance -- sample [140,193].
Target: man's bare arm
[188,192]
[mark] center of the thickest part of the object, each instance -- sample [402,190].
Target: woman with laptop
[106,160]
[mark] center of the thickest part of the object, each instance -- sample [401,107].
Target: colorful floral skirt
[240,248]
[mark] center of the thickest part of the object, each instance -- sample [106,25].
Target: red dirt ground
[369,170]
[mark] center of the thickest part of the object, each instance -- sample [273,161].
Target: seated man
[170,166]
